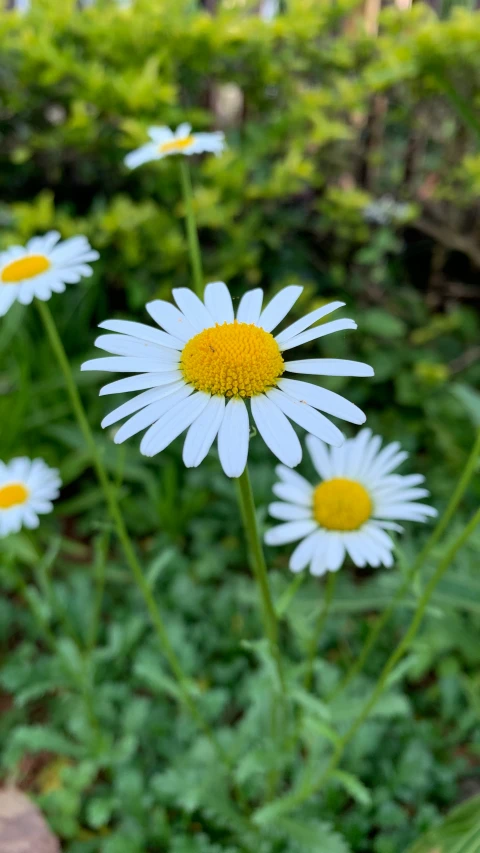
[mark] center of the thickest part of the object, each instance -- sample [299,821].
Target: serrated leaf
[353,786]
[459,832]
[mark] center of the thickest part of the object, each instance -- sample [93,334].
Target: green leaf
[353,786]
[312,836]
[459,832]
[469,399]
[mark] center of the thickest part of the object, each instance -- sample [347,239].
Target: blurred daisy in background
[165,142]
[42,267]
[350,510]
[27,489]
[197,373]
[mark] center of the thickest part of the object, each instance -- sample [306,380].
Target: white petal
[278,307]
[318,566]
[8,295]
[303,553]
[233,438]
[142,155]
[135,348]
[292,494]
[151,414]
[293,478]
[140,382]
[160,134]
[353,544]
[289,512]
[321,398]
[250,306]
[183,130]
[120,364]
[193,308]
[219,302]
[140,402]
[172,423]
[334,552]
[306,321]
[369,454]
[203,432]
[320,457]
[358,447]
[306,417]
[171,319]
[276,431]
[329,367]
[143,332]
[318,332]
[408,512]
[290,532]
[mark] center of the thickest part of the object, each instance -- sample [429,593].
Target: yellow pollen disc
[341,504]
[27,267]
[12,495]
[233,360]
[175,145]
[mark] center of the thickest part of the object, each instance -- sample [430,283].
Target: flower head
[27,489]
[198,372]
[165,142]
[42,267]
[350,510]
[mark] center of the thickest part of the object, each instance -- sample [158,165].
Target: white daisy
[349,511]
[27,489]
[166,142]
[42,267]
[199,370]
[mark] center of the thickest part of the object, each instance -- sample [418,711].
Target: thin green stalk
[318,630]
[310,787]
[121,530]
[259,567]
[192,235]
[459,491]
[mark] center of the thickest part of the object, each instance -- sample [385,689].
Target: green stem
[192,235]
[117,518]
[459,491]
[259,567]
[318,630]
[309,788]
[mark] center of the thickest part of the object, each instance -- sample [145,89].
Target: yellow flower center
[12,495]
[27,267]
[233,360]
[341,504]
[175,145]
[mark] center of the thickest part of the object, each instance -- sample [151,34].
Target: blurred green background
[353,168]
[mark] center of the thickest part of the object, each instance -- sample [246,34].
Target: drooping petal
[276,431]
[233,438]
[203,432]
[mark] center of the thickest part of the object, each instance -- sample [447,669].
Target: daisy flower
[27,489]
[165,142]
[350,510]
[197,372]
[42,267]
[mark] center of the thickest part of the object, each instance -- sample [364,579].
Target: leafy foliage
[352,168]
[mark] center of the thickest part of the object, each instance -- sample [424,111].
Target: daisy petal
[140,382]
[302,555]
[151,414]
[300,325]
[139,402]
[193,308]
[171,319]
[321,398]
[329,367]
[219,302]
[172,423]
[250,306]
[276,431]
[143,332]
[203,432]
[121,364]
[306,417]
[278,307]
[288,512]
[320,456]
[318,332]
[233,438]
[290,532]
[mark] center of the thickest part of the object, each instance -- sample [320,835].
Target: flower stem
[192,235]
[117,518]
[317,633]
[438,531]
[259,567]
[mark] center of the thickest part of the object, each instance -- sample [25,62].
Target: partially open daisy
[200,370]
[27,489]
[165,142]
[350,510]
[42,267]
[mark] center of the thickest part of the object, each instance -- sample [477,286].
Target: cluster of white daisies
[208,370]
